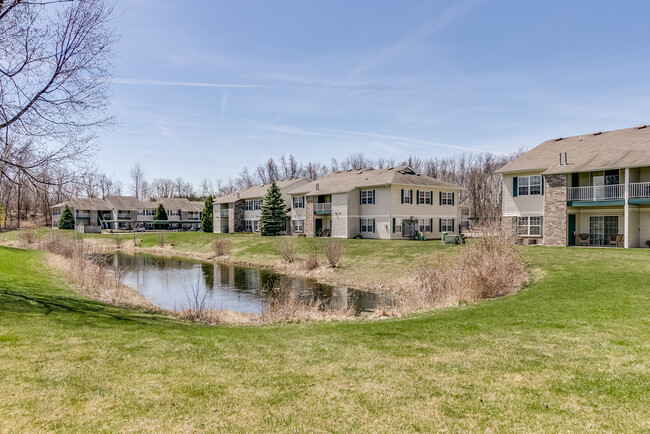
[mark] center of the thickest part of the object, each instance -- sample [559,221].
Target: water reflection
[173,283]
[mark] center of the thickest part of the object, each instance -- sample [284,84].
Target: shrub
[161,239]
[27,237]
[286,247]
[221,246]
[118,240]
[334,251]
[311,262]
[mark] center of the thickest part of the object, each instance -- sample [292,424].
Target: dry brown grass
[27,237]
[221,247]
[334,251]
[489,267]
[311,261]
[286,305]
[287,247]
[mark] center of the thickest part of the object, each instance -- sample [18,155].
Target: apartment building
[240,211]
[591,190]
[389,203]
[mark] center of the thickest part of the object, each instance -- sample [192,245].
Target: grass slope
[571,352]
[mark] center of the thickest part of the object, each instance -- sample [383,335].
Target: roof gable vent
[598,133]
[641,127]
[558,139]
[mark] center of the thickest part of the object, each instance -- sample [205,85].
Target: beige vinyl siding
[434,211]
[520,205]
[340,215]
[353,214]
[644,174]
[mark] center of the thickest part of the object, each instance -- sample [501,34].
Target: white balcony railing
[323,207]
[640,189]
[597,192]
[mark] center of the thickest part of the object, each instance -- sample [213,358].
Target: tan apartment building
[592,190]
[389,203]
[240,211]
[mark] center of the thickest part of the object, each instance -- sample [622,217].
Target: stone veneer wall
[309,216]
[555,210]
[236,216]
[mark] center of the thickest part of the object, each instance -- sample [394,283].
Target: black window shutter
[440,198]
[453,197]
[412,201]
[453,225]
[439,225]
[542,185]
[360,197]
[373,226]
[431,224]
[394,222]
[374,200]
[359,225]
[402,195]
[417,197]
[515,188]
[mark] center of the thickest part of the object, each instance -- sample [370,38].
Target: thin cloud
[142,82]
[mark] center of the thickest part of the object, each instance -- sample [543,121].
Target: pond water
[176,283]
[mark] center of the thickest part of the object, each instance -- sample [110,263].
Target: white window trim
[299,201]
[366,223]
[299,225]
[446,198]
[407,196]
[529,185]
[369,198]
[425,197]
[526,222]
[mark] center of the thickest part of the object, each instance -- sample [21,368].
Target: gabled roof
[258,191]
[616,149]
[85,203]
[348,180]
[125,202]
[181,203]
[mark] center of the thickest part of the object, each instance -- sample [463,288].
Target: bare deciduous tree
[55,58]
[137,178]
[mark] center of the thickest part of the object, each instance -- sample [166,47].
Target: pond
[176,283]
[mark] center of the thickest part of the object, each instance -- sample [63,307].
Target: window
[367,225]
[446,198]
[367,197]
[529,185]
[601,228]
[424,197]
[56,212]
[299,202]
[529,226]
[407,196]
[464,212]
[248,225]
[256,225]
[424,225]
[298,225]
[254,205]
[446,225]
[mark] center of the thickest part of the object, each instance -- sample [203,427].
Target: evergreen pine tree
[161,214]
[67,219]
[273,219]
[206,215]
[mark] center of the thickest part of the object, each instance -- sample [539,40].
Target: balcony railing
[124,216]
[640,189]
[597,192]
[323,207]
[82,215]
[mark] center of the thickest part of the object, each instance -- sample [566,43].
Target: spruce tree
[161,214]
[67,219]
[206,216]
[273,219]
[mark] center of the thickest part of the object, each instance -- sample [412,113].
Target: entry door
[572,229]
[319,227]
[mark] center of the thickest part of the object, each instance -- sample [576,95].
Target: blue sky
[204,88]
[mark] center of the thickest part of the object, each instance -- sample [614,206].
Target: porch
[609,226]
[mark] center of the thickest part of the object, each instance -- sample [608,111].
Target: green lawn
[569,353]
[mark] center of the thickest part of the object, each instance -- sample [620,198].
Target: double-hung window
[529,226]
[367,197]
[367,225]
[424,225]
[447,225]
[254,205]
[299,201]
[425,197]
[446,198]
[407,196]
[529,185]
[256,225]
[248,225]
[298,225]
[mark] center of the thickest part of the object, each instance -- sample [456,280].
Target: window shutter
[373,226]
[359,225]
[515,189]
[412,202]
[360,199]
[394,222]
[402,195]
[374,198]
[453,197]
[439,225]
[417,197]
[431,224]
[440,198]
[453,225]
[542,185]
[541,226]
[432,204]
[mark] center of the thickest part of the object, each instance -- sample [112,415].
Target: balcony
[323,208]
[124,216]
[82,215]
[597,193]
[223,213]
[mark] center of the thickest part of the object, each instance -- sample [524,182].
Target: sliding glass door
[601,228]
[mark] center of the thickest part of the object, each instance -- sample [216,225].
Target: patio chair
[583,239]
[616,240]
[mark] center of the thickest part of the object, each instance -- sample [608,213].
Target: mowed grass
[569,353]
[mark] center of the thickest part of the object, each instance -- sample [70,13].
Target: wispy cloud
[224,101]
[143,82]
